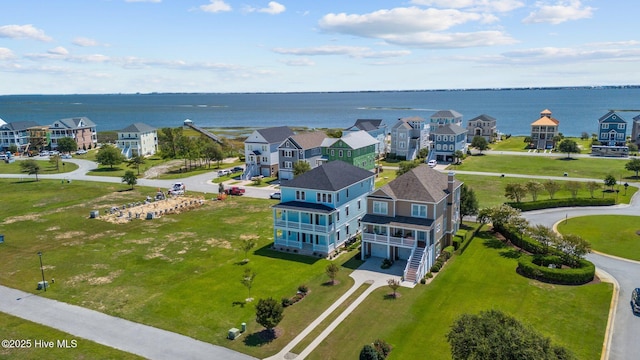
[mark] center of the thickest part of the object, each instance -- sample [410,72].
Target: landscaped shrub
[527,266]
[382,347]
[448,252]
[386,263]
[555,203]
[435,267]
[423,281]
[286,302]
[303,289]
[457,241]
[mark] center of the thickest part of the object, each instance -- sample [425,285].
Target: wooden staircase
[411,274]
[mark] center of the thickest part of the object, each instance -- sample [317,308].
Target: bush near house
[537,267]
[556,203]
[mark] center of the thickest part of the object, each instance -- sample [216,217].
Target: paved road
[143,340]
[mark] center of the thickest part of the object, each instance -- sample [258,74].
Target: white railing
[290,243]
[302,226]
[406,268]
[389,240]
[420,273]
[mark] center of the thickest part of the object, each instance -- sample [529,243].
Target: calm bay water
[577,109]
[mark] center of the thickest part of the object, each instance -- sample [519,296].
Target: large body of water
[577,109]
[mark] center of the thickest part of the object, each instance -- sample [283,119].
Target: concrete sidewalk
[135,338]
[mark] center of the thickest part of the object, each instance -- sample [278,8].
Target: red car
[234,190]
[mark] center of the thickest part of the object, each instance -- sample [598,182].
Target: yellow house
[544,131]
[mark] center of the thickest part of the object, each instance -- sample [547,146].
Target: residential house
[482,125]
[80,129]
[412,218]
[137,139]
[15,133]
[444,117]
[408,136]
[320,210]
[261,151]
[612,130]
[300,147]
[635,130]
[357,148]
[377,129]
[39,137]
[544,131]
[448,139]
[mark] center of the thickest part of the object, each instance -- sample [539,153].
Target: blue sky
[128,46]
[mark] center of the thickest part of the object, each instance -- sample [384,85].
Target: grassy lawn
[483,278]
[516,143]
[179,272]
[595,168]
[623,242]
[16,328]
[490,190]
[119,170]
[177,173]
[45,166]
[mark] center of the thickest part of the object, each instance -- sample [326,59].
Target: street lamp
[626,185]
[44,284]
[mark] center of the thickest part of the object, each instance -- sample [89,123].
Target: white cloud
[216,6]
[299,62]
[59,50]
[23,32]
[417,27]
[476,5]
[6,54]
[84,42]
[561,12]
[351,51]
[273,8]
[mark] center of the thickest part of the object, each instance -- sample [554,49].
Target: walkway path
[139,339]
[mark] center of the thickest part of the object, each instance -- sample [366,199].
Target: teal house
[357,148]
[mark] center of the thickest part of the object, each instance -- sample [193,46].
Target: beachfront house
[16,133]
[635,130]
[137,139]
[357,148]
[448,139]
[320,210]
[412,219]
[377,129]
[442,118]
[300,147]
[612,130]
[80,129]
[408,136]
[482,125]
[261,151]
[544,131]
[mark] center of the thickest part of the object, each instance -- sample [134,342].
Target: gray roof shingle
[276,134]
[450,129]
[139,128]
[332,176]
[419,184]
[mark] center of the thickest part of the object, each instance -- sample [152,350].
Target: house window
[439,138]
[338,235]
[348,153]
[380,207]
[418,210]
[264,148]
[340,153]
[620,126]
[346,209]
[329,198]
[359,204]
[318,197]
[451,147]
[605,126]
[300,195]
[438,226]
[338,215]
[347,193]
[438,147]
[288,164]
[333,152]
[265,159]
[346,229]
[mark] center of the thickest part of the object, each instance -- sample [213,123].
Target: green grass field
[594,168]
[623,242]
[516,143]
[179,272]
[45,166]
[483,278]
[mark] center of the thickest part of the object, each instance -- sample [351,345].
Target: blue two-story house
[320,210]
[448,139]
[612,130]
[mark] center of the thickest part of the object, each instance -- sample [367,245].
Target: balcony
[408,242]
[293,225]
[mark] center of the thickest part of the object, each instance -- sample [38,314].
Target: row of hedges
[537,267]
[445,255]
[522,241]
[463,238]
[556,203]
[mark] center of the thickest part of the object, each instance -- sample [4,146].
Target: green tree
[592,186]
[515,191]
[551,187]
[13,148]
[247,280]
[544,235]
[269,313]
[569,146]
[573,187]
[168,139]
[458,155]
[67,144]
[213,152]
[332,271]
[633,148]
[30,167]
[135,162]
[55,160]
[405,166]
[468,202]
[301,167]
[334,133]
[610,181]
[498,215]
[129,178]
[573,247]
[480,143]
[633,165]
[368,352]
[423,153]
[246,245]
[493,335]
[533,188]
[109,155]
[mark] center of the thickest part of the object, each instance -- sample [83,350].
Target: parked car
[635,301]
[80,152]
[234,190]
[237,169]
[44,153]
[65,156]
[177,189]
[432,163]
[224,172]
[275,195]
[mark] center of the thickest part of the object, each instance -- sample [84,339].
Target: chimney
[451,177]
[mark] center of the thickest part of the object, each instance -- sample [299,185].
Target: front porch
[371,269]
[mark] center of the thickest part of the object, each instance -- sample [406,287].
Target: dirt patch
[105,279]
[158,170]
[218,243]
[158,209]
[69,235]
[12,219]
